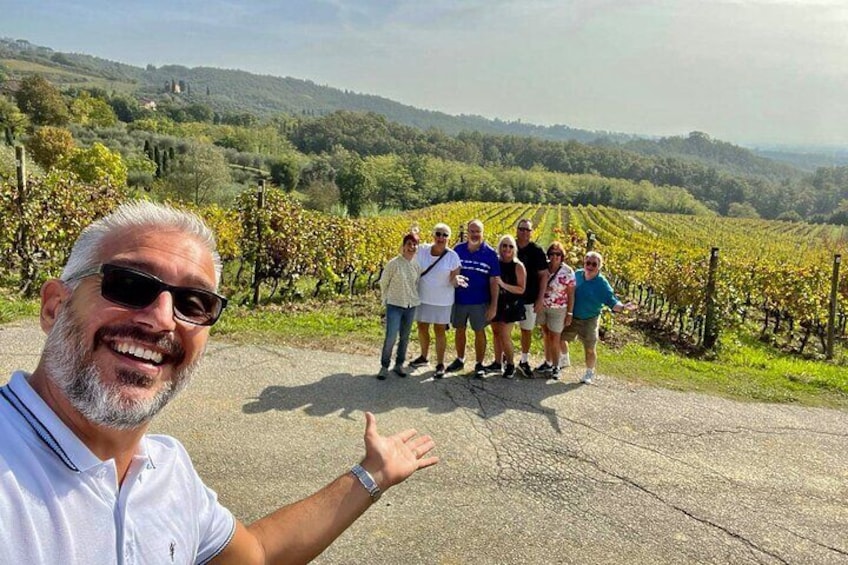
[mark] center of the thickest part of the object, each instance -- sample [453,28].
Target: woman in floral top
[558,309]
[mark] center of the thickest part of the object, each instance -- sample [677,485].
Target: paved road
[532,473]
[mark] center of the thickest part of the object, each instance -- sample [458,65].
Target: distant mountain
[807,160]
[226,90]
[235,91]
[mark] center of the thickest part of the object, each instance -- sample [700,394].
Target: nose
[159,314]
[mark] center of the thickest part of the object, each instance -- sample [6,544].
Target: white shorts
[529,321]
[431,314]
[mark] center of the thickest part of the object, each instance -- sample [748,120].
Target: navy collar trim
[40,429]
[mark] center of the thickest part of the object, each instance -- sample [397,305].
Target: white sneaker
[588,377]
[564,361]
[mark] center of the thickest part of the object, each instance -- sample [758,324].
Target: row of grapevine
[778,268]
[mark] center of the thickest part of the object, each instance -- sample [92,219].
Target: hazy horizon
[753,72]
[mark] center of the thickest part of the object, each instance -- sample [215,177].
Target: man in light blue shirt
[592,292]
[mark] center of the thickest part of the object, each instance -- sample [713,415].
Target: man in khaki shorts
[592,293]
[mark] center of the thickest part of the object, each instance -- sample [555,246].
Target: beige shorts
[586,330]
[552,318]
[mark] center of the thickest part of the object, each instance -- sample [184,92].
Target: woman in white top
[440,268]
[399,289]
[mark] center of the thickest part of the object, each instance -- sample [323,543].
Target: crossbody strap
[553,276]
[427,270]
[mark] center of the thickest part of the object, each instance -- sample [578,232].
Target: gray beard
[72,369]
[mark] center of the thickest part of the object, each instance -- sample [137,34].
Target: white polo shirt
[59,503]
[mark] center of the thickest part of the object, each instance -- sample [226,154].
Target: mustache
[173,351]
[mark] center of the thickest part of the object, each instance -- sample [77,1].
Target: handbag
[513,311]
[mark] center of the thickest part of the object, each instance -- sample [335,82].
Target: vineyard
[776,274]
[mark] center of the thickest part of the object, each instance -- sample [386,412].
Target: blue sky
[753,72]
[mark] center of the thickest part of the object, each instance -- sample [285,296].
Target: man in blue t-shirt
[477,301]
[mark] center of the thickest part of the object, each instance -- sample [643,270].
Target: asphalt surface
[532,472]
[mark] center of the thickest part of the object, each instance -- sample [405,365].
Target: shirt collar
[47,426]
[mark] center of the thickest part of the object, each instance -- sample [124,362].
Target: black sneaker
[479,371]
[509,372]
[493,367]
[543,370]
[525,369]
[440,371]
[384,372]
[555,373]
[456,365]
[419,361]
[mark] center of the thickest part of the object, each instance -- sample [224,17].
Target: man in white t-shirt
[81,481]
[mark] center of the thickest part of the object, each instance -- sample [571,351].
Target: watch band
[367,481]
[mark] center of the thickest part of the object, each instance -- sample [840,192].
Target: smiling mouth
[137,352]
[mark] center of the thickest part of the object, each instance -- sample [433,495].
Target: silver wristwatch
[367,481]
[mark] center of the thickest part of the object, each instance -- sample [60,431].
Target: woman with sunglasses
[399,290]
[510,305]
[440,267]
[593,292]
[557,312]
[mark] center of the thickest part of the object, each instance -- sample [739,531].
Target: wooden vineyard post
[22,243]
[20,167]
[257,267]
[590,240]
[710,329]
[831,316]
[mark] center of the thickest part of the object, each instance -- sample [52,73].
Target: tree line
[357,163]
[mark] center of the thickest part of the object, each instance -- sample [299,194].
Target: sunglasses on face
[441,234]
[590,264]
[136,289]
[524,229]
[507,246]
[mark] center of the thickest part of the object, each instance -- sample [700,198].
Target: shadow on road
[349,393]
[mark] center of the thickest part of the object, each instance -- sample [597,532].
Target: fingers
[370,425]
[421,446]
[423,463]
[406,435]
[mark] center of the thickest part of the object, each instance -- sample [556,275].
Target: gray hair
[442,228]
[137,214]
[597,256]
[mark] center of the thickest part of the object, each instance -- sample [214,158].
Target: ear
[54,295]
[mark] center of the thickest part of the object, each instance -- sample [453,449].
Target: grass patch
[349,325]
[13,310]
[742,369]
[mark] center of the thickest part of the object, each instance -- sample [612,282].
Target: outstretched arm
[299,532]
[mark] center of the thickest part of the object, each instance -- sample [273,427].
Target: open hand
[392,459]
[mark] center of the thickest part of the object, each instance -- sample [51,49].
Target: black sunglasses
[507,246]
[441,234]
[524,229]
[136,289]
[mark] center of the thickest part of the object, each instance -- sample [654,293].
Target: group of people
[475,284]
